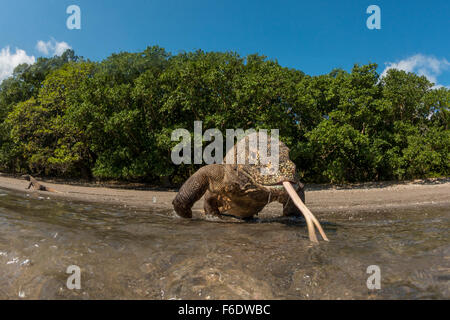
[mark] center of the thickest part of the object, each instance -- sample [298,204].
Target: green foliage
[426,154]
[39,128]
[339,152]
[69,117]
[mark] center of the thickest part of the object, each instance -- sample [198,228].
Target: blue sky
[313,36]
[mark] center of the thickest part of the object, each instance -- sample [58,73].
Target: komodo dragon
[36,185]
[242,190]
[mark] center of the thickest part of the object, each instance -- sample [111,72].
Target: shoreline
[365,197]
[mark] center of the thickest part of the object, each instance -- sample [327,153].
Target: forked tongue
[309,217]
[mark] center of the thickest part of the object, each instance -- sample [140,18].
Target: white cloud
[52,47]
[42,47]
[8,61]
[423,65]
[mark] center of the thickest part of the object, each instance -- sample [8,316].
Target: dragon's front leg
[195,187]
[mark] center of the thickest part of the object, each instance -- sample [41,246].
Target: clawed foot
[182,211]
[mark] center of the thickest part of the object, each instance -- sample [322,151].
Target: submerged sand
[319,198]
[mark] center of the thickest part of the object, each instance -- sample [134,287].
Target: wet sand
[320,198]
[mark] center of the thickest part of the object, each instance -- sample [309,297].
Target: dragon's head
[267,167]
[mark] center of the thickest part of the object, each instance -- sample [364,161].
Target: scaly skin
[240,189]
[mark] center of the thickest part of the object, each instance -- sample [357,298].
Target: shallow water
[131,254]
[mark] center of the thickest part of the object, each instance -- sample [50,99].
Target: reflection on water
[132,254]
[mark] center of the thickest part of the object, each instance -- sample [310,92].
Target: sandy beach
[320,198]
